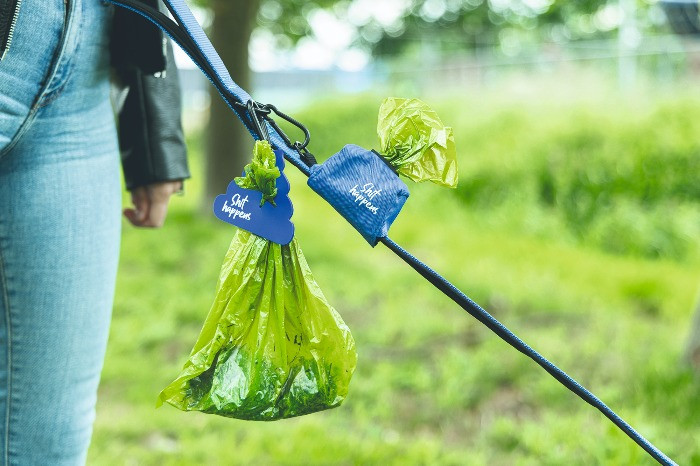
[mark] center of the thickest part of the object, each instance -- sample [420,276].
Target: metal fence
[664,60]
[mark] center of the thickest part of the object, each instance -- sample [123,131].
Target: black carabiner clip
[259,117]
[297,145]
[256,113]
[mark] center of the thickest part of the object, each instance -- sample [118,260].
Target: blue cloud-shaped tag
[241,207]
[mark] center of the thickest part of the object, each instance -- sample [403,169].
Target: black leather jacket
[150,131]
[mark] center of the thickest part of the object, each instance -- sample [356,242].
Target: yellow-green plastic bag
[416,142]
[262,173]
[271,347]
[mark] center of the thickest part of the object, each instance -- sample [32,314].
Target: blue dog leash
[188,34]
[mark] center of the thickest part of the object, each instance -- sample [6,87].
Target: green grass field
[575,224]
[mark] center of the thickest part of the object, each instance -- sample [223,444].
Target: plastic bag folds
[416,143]
[271,347]
[262,173]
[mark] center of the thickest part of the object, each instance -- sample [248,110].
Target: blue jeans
[59,229]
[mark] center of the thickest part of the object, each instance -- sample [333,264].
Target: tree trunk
[228,143]
[692,352]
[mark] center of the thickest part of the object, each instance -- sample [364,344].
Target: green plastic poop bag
[271,347]
[416,143]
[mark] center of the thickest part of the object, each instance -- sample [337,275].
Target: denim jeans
[59,229]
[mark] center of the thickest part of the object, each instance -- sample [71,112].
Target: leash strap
[190,36]
[509,337]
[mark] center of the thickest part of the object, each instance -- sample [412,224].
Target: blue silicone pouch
[363,188]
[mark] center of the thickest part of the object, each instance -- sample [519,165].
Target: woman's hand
[151,204]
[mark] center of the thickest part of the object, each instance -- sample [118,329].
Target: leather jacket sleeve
[151,139]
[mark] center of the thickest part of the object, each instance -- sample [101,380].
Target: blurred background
[576,223]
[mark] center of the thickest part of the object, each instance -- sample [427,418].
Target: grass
[433,386]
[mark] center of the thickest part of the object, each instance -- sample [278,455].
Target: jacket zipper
[8,20]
